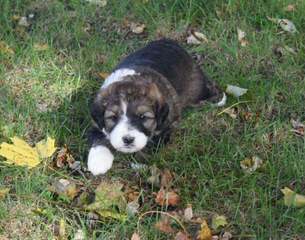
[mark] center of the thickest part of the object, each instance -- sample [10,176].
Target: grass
[47,93]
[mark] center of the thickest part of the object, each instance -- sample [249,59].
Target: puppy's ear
[97,111]
[155,93]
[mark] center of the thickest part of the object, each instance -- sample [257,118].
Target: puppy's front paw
[99,160]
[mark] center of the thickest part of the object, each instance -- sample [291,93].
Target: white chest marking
[118,76]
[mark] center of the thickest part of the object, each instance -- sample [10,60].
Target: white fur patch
[123,129]
[118,76]
[222,102]
[100,160]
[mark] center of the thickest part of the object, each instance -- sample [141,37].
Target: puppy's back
[166,57]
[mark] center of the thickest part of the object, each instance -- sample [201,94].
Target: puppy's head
[130,112]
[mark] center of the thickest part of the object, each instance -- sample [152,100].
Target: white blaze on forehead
[118,76]
[125,129]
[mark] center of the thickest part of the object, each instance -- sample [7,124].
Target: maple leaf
[22,154]
[109,201]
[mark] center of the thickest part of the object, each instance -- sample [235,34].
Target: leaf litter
[293,199]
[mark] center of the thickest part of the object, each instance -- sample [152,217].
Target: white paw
[100,160]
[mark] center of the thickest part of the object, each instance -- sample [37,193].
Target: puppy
[140,103]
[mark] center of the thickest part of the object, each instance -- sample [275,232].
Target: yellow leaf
[62,229]
[219,221]
[293,199]
[3,192]
[103,75]
[205,232]
[4,48]
[41,47]
[19,153]
[46,148]
[22,154]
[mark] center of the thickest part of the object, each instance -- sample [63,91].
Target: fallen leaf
[293,199]
[109,201]
[236,91]
[137,28]
[4,192]
[167,198]
[188,212]
[132,208]
[219,221]
[46,148]
[101,3]
[232,112]
[23,22]
[196,38]
[19,153]
[103,75]
[135,236]
[154,179]
[205,232]
[4,48]
[249,165]
[181,236]
[41,46]
[166,179]
[64,157]
[298,128]
[79,235]
[285,24]
[64,188]
[241,35]
[164,225]
[289,8]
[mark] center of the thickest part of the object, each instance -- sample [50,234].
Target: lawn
[51,66]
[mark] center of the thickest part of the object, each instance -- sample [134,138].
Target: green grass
[47,93]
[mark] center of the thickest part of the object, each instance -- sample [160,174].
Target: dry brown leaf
[167,198]
[298,128]
[137,28]
[188,213]
[181,236]
[289,8]
[135,236]
[166,179]
[164,225]
[285,24]
[242,37]
[64,157]
[232,112]
[196,38]
[205,232]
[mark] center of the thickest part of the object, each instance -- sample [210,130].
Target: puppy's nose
[128,140]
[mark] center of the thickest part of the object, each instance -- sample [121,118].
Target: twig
[235,104]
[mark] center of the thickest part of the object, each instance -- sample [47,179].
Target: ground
[50,69]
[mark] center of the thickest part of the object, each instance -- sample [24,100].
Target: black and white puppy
[141,101]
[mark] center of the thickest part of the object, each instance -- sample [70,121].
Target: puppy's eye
[147,115]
